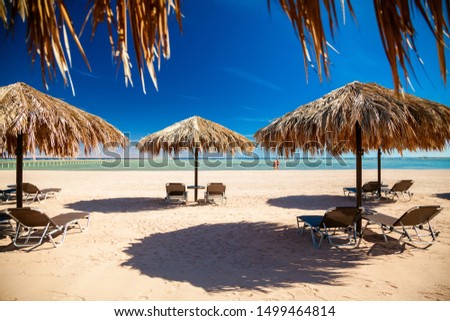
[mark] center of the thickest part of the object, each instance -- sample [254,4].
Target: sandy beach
[138,248]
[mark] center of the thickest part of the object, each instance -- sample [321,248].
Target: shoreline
[226,164]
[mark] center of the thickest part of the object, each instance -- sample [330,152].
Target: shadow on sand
[311,202]
[121,205]
[445,196]
[378,247]
[221,257]
[321,202]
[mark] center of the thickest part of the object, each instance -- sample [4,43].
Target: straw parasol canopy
[366,116]
[195,134]
[31,120]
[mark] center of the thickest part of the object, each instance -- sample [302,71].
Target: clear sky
[234,63]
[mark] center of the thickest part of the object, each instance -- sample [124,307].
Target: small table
[196,188]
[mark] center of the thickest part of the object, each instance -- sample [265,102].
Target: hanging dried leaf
[395,23]
[3,13]
[148,21]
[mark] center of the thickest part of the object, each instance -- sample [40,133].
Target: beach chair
[415,219]
[7,194]
[214,192]
[6,224]
[368,189]
[33,193]
[400,188]
[176,193]
[337,224]
[33,226]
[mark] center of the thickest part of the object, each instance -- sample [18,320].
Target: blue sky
[234,63]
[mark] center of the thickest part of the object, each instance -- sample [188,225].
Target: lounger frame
[215,191]
[401,189]
[411,225]
[338,223]
[33,193]
[33,231]
[369,189]
[176,193]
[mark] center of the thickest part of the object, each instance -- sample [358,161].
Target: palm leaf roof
[195,133]
[50,125]
[387,122]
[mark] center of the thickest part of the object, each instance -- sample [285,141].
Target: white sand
[137,248]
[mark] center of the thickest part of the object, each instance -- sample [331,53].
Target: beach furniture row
[176,193]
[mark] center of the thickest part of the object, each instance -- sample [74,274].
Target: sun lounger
[215,191]
[338,223]
[400,188]
[176,193]
[7,194]
[414,220]
[33,193]
[33,226]
[368,189]
[6,224]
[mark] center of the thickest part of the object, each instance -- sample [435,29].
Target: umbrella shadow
[120,204]
[244,255]
[445,196]
[311,202]
[320,202]
[6,232]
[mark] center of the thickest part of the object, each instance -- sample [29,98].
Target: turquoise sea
[108,164]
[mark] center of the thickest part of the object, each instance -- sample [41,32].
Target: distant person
[276,164]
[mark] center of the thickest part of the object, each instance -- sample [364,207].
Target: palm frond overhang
[395,23]
[50,24]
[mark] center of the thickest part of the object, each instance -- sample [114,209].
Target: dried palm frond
[3,13]
[43,35]
[49,20]
[148,21]
[387,122]
[50,125]
[195,133]
[395,24]
[306,18]
[397,32]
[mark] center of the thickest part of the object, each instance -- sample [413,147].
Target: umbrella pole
[359,153]
[379,172]
[196,174]
[19,171]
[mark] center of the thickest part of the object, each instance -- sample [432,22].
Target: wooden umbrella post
[19,171]
[379,172]
[359,153]
[196,174]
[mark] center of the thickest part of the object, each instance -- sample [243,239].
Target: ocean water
[84,164]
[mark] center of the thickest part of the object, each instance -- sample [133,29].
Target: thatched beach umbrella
[31,120]
[195,134]
[366,116]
